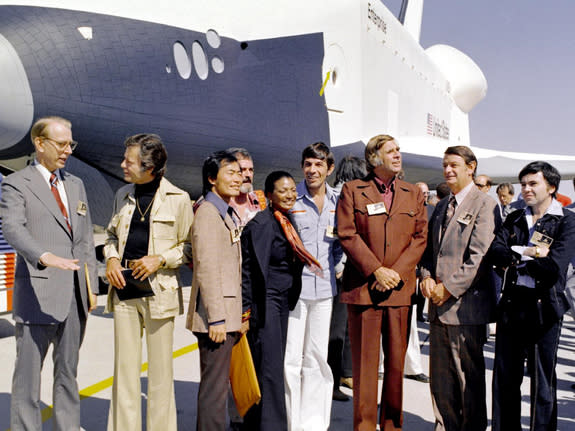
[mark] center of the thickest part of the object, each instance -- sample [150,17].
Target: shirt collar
[253,203]
[462,194]
[554,209]
[222,207]
[302,192]
[46,174]
[382,186]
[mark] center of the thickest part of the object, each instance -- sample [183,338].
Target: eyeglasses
[61,146]
[480,185]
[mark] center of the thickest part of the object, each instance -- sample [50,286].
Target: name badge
[331,232]
[374,209]
[465,218]
[82,208]
[541,240]
[235,234]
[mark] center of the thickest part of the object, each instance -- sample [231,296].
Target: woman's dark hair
[551,175]
[272,178]
[350,168]
[211,167]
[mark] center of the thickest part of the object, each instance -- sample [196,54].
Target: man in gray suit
[457,280]
[47,221]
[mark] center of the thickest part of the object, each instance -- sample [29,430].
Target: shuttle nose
[16,104]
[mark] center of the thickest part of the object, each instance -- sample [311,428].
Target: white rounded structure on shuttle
[16,103]
[467,82]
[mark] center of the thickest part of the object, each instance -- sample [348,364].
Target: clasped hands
[141,269]
[436,292]
[386,279]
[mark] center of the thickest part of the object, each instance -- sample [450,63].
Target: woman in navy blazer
[271,283]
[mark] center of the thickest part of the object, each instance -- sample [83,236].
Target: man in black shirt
[149,234]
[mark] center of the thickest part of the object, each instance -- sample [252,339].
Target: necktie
[56,193]
[451,204]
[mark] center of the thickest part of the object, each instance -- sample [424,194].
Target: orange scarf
[297,245]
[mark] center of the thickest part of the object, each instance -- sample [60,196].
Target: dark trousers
[521,334]
[366,323]
[268,345]
[32,343]
[339,349]
[214,380]
[457,371]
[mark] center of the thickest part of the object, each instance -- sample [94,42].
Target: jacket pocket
[164,226]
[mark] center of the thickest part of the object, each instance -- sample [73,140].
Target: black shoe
[418,377]
[236,426]
[338,395]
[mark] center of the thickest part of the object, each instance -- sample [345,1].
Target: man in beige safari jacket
[149,233]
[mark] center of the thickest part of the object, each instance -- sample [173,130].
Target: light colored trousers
[308,378]
[130,318]
[413,355]
[413,364]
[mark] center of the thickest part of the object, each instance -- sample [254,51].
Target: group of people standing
[268,265]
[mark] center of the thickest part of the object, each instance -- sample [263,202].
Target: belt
[127,263]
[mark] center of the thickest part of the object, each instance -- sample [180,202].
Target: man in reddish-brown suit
[382,226]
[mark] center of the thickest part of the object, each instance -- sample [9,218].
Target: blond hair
[371,150]
[39,127]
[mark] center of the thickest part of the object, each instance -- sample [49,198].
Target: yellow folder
[92,302]
[243,377]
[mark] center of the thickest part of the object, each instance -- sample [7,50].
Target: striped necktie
[451,205]
[56,193]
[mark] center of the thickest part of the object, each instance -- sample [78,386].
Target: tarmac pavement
[96,370]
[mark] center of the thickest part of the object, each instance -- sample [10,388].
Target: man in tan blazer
[382,226]
[215,311]
[459,283]
[149,233]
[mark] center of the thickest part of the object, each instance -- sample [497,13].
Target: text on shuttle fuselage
[436,127]
[376,19]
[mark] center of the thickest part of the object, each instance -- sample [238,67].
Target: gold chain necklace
[143,214]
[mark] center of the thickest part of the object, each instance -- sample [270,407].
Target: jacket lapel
[370,193]
[466,206]
[262,240]
[399,197]
[159,198]
[73,196]
[42,191]
[441,210]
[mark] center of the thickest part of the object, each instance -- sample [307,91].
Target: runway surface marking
[106,383]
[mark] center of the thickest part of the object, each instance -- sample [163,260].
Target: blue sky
[526,51]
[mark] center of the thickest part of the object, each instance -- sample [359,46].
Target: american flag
[429,124]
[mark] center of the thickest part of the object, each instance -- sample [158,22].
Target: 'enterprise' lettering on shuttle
[436,127]
[376,19]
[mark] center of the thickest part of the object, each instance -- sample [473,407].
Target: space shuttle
[270,76]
